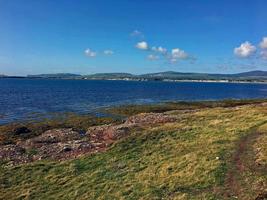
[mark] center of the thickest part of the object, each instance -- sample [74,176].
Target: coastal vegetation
[179,150]
[128,110]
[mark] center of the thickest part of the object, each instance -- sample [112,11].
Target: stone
[67,148]
[21,130]
[57,135]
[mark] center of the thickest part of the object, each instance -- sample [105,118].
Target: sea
[29,99]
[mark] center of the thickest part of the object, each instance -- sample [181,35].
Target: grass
[128,110]
[260,147]
[188,159]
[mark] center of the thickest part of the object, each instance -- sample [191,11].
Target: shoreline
[113,111]
[144,80]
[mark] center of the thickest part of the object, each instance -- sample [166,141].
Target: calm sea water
[22,99]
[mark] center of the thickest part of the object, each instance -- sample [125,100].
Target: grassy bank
[191,158]
[128,110]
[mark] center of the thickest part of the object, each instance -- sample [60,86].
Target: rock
[117,132]
[14,154]
[67,148]
[262,196]
[108,132]
[21,130]
[57,135]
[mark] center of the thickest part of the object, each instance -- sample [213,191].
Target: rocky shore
[67,143]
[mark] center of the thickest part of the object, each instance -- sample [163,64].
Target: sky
[134,36]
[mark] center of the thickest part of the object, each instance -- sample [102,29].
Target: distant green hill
[253,73]
[110,76]
[58,75]
[159,76]
[171,75]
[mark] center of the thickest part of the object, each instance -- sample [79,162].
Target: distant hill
[110,76]
[253,73]
[176,76]
[260,76]
[58,75]
[171,75]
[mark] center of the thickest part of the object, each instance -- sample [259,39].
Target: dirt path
[237,183]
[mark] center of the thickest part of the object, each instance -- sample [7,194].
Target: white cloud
[137,33]
[159,49]
[178,54]
[142,45]
[152,57]
[108,52]
[245,50]
[263,55]
[263,43]
[90,53]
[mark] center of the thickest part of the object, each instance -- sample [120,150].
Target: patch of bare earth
[246,179]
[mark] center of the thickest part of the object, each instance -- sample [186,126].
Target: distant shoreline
[256,76]
[140,80]
[185,80]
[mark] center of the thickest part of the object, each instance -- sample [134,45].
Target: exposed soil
[243,161]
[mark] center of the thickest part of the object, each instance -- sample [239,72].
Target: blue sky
[83,36]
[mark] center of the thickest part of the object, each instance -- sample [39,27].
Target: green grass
[128,110]
[167,161]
